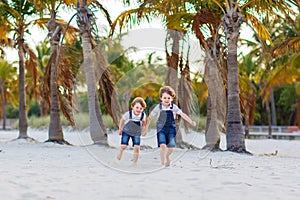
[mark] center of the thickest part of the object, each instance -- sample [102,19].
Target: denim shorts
[136,140]
[167,135]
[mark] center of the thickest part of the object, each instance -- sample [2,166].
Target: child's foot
[168,163]
[119,157]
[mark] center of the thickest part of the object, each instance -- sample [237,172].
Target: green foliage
[38,122]
[81,121]
[34,109]
[286,105]
[12,112]
[285,102]
[201,122]
[83,102]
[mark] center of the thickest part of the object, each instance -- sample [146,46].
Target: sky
[146,37]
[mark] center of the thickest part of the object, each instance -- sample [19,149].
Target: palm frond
[278,77]
[180,21]
[66,108]
[292,43]
[259,27]
[71,33]
[107,88]
[31,65]
[220,6]
[295,61]
[46,83]
[65,77]
[127,16]
[9,11]
[105,11]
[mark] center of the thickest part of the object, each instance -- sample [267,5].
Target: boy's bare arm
[149,118]
[188,119]
[121,124]
[144,129]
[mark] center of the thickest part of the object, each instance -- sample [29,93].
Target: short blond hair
[167,89]
[139,100]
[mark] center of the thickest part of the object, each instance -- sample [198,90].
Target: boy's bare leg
[162,153]
[136,152]
[168,160]
[123,147]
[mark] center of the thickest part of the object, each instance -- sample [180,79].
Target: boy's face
[137,109]
[166,99]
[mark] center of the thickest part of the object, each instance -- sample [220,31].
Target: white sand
[37,170]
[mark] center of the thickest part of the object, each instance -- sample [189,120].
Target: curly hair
[139,100]
[167,89]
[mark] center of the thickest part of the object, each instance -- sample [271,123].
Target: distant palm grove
[82,66]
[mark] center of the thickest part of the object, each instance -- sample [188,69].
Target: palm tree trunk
[298,111]
[97,134]
[247,121]
[55,132]
[3,105]
[212,136]
[232,21]
[23,124]
[273,108]
[234,133]
[84,16]
[269,119]
[172,76]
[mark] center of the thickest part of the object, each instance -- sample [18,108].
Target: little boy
[132,125]
[166,126]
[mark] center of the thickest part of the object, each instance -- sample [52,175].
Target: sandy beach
[37,170]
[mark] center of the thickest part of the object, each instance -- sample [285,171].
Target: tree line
[233,85]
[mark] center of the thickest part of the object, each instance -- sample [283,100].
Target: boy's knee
[163,146]
[123,147]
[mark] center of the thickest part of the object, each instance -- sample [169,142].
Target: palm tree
[271,64]
[234,14]
[285,60]
[16,12]
[58,76]
[55,129]
[215,74]
[85,19]
[8,75]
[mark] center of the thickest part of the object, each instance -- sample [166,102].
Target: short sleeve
[125,116]
[155,111]
[176,109]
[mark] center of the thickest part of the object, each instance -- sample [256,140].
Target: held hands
[120,132]
[144,130]
[193,123]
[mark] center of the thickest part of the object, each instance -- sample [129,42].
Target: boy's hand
[194,123]
[120,132]
[144,131]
